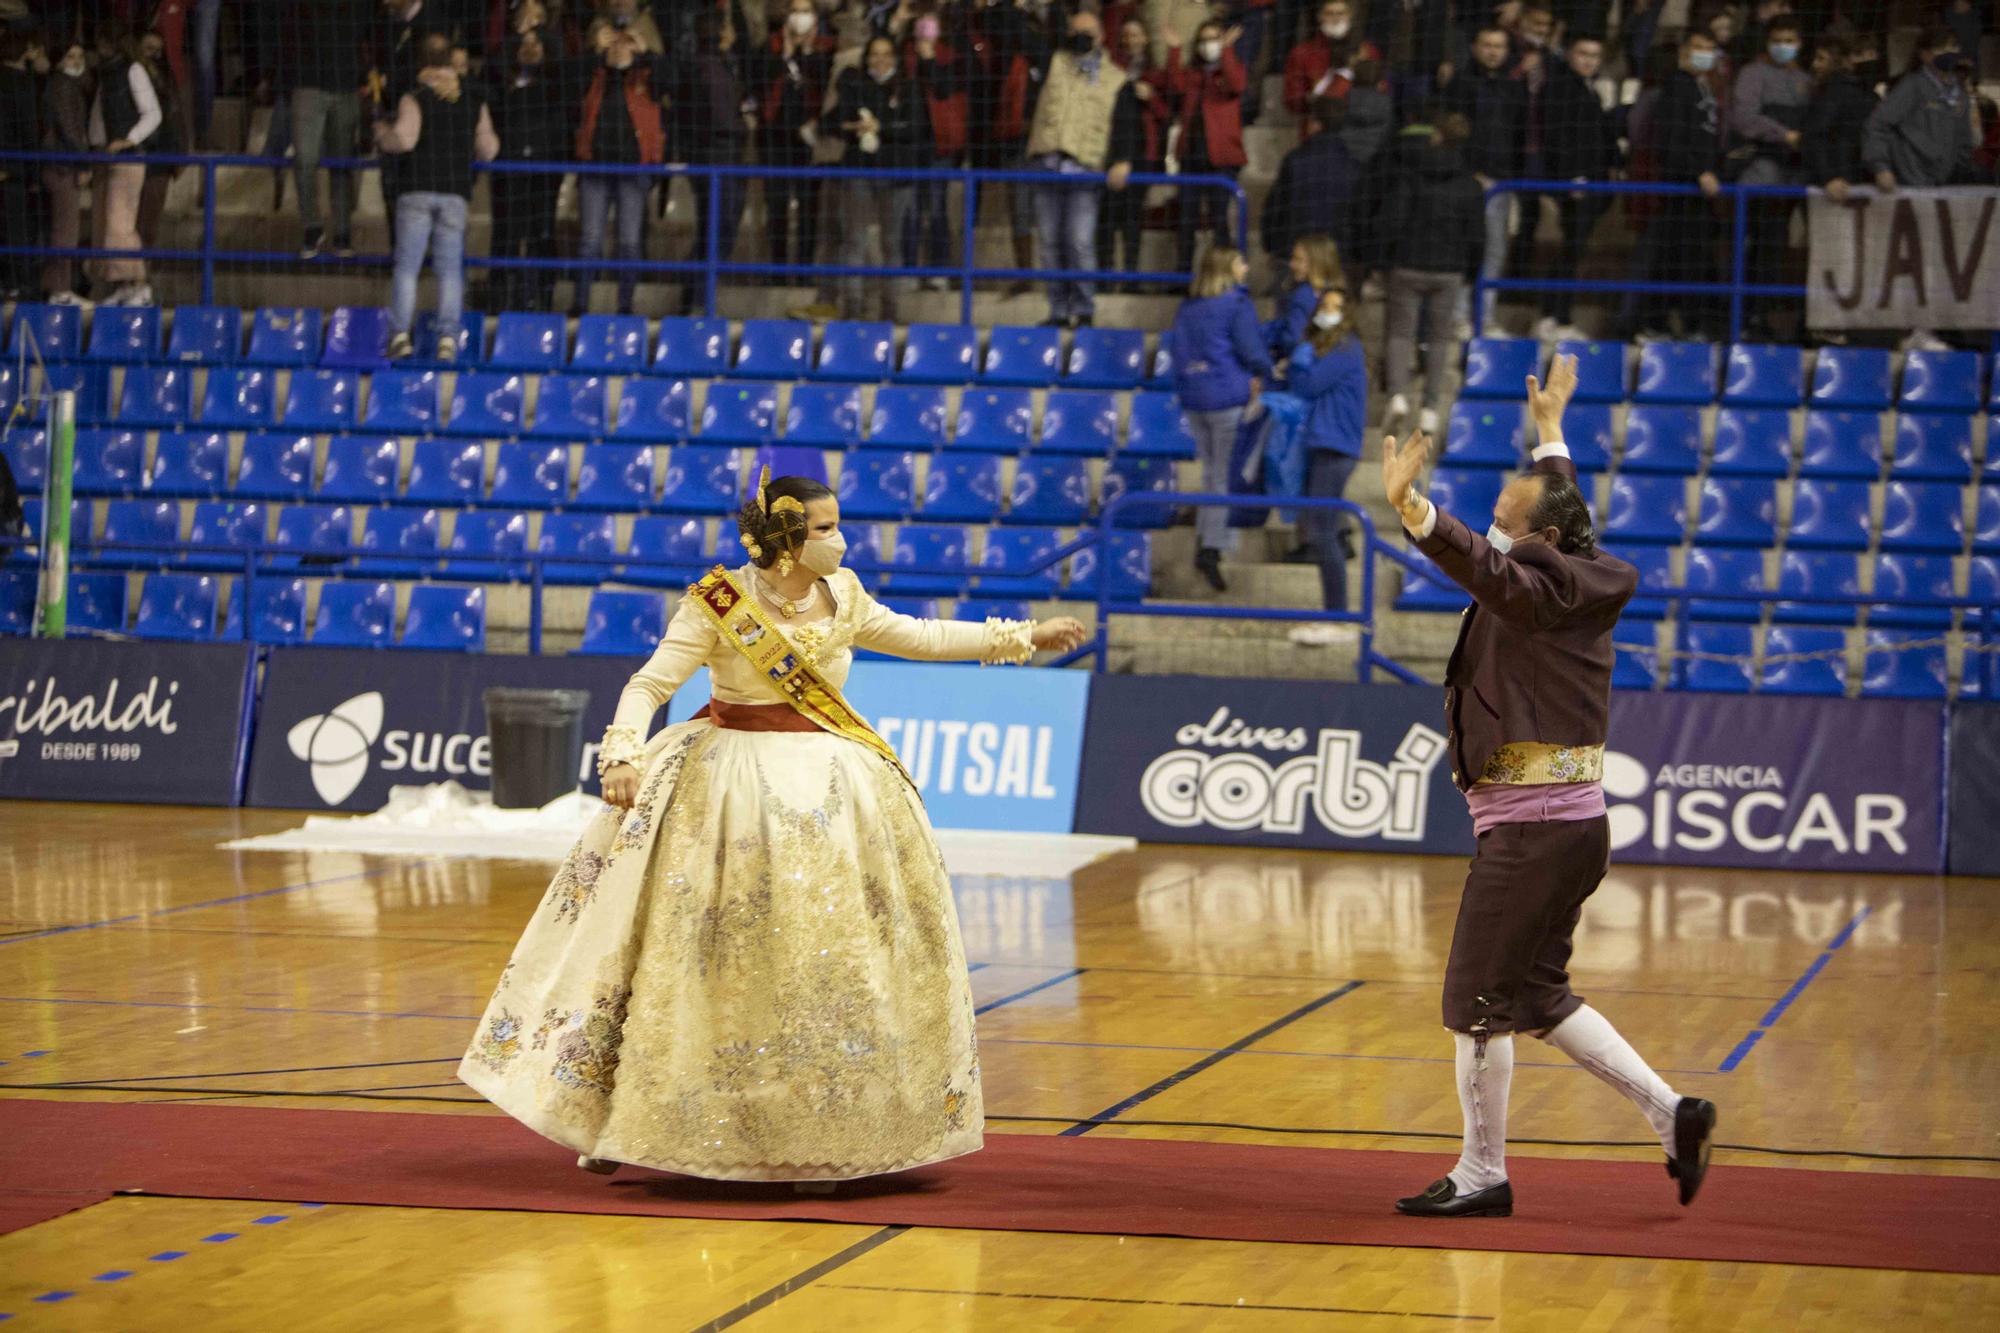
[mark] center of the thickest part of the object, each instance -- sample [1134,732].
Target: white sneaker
[1923,340]
[1323,635]
[1399,410]
[1462,329]
[447,349]
[1570,333]
[138,294]
[1427,421]
[1547,330]
[65,298]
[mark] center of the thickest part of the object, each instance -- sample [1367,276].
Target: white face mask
[822,555]
[1336,30]
[1211,52]
[802,25]
[1499,540]
[1327,319]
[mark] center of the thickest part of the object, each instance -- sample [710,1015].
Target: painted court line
[1777,1011]
[991,1005]
[57,1295]
[193,907]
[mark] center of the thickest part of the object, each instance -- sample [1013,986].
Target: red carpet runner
[59,1156]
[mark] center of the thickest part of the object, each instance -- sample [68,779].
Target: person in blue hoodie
[1314,269]
[1329,371]
[1221,366]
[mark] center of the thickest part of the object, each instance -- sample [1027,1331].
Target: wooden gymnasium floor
[133,950]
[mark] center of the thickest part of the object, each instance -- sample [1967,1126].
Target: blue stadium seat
[210,335]
[878,486]
[529,341]
[471,334]
[361,614]
[825,416]
[1842,444]
[1014,355]
[125,335]
[57,332]
[653,410]
[1158,429]
[1893,670]
[1852,378]
[702,480]
[1923,516]
[1050,490]
[274,467]
[156,396]
[979,610]
[1600,370]
[96,603]
[322,400]
[570,407]
[147,522]
[223,531]
[1738,511]
[1752,442]
[1716,677]
[610,345]
[1655,567]
[695,348]
[906,417]
[1983,583]
[931,548]
[792,461]
[1821,675]
[1635,664]
[849,351]
[92,386]
[284,336]
[1430,591]
[1010,553]
[240,398]
[865,544]
[311,530]
[1162,373]
[623,624]
[1588,431]
[615,476]
[1986,518]
[27,452]
[1993,384]
[1662,439]
[995,421]
[773,349]
[677,548]
[1724,571]
[1932,448]
[10,392]
[530,476]
[1499,368]
[1901,579]
[177,606]
[1817,574]
[108,462]
[403,542]
[1136,473]
[1829,516]
[1106,359]
[194,464]
[445,619]
[1683,373]
[357,338]
[939,354]
[740,414]
[404,401]
[1759,375]
[1940,382]
[1483,435]
[963,490]
[577,535]
[1646,509]
[485,546]
[448,473]
[488,403]
[1467,494]
[82,525]
[1075,422]
[1125,564]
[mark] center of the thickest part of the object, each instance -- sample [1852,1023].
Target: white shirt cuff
[1429,525]
[1553,449]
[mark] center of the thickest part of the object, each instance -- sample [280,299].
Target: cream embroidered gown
[755,973]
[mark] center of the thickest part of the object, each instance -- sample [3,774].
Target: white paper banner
[1916,259]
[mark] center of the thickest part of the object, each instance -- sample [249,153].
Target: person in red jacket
[1323,64]
[1209,94]
[618,123]
[933,66]
[792,81]
[1146,104]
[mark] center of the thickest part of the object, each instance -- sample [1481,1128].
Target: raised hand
[1401,467]
[1546,404]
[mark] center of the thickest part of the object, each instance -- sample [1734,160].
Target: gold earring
[784,566]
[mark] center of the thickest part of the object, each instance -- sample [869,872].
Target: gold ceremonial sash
[745,626]
[1537,763]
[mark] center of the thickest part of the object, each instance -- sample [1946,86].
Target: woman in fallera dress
[749,967]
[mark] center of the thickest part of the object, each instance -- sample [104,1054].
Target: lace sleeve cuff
[1008,642]
[621,745]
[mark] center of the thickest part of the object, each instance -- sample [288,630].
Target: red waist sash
[756,717]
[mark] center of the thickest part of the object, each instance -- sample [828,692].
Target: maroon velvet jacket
[1533,659]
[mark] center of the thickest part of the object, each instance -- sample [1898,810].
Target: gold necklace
[786,606]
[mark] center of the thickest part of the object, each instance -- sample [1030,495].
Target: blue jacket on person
[1289,328]
[1218,348]
[1335,390]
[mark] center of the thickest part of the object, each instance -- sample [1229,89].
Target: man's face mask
[1499,540]
[1784,52]
[1701,62]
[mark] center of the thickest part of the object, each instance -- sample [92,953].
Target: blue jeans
[1215,445]
[1066,220]
[207,30]
[596,197]
[436,223]
[1321,529]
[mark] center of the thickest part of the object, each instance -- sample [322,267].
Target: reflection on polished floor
[142,963]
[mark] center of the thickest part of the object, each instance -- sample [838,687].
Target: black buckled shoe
[1694,1128]
[1442,1199]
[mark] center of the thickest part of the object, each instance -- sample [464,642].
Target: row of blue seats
[1893,666]
[1747,442]
[576,407]
[1743,375]
[626,478]
[357,337]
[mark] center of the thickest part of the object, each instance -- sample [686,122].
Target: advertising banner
[338,727]
[88,720]
[1916,259]
[1975,777]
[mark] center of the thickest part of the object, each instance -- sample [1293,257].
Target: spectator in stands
[1323,64]
[1495,106]
[1072,135]
[713,119]
[205,46]
[442,128]
[932,66]
[327,71]
[619,124]
[1532,33]
[884,119]
[1312,197]
[1679,241]
[1755,39]
[1370,116]
[1330,373]
[1145,112]
[796,71]
[1579,144]
[532,115]
[22,67]
[1209,91]
[1252,21]
[1767,121]
[633,18]
[399,44]
[1431,233]
[124,119]
[1836,118]
[66,120]
[1534,59]
[1415,38]
[169,139]
[1219,368]
[1007,50]
[1314,270]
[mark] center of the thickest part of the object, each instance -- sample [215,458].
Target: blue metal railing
[709,269]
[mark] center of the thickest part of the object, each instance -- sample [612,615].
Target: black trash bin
[537,742]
